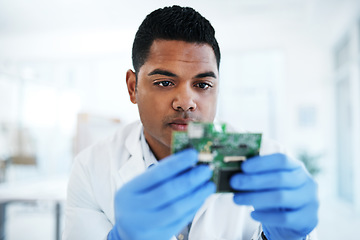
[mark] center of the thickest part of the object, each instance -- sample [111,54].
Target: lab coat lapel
[135,164]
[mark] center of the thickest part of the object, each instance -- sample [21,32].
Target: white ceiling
[63,27]
[22,16]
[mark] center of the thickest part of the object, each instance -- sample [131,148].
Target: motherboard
[223,151]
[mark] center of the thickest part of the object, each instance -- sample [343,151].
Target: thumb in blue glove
[283,194]
[161,201]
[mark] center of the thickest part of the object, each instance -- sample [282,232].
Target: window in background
[347,91]
[344,141]
[37,114]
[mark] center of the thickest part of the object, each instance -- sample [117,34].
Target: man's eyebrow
[162,72]
[206,74]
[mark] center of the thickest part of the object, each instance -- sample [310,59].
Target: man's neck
[159,149]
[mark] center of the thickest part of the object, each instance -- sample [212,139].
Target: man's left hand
[283,194]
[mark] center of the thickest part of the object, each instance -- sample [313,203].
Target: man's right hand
[163,200]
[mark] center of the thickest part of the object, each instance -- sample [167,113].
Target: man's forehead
[182,51]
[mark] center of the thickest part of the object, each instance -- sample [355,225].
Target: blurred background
[290,69]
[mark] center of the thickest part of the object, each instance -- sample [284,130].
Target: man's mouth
[180,124]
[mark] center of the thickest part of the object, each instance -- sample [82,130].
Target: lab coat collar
[135,163]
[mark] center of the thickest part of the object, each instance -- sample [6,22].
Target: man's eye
[164,83]
[203,85]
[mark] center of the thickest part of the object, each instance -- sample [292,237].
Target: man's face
[177,84]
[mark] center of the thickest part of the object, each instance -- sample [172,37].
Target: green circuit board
[223,151]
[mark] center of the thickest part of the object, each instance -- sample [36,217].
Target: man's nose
[184,99]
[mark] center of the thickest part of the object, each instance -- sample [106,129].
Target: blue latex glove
[283,194]
[163,200]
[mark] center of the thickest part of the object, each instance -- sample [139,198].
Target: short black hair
[172,23]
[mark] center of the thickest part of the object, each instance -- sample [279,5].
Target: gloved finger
[303,220]
[270,162]
[165,215]
[279,198]
[176,187]
[167,168]
[269,180]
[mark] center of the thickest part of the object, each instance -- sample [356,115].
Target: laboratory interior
[290,69]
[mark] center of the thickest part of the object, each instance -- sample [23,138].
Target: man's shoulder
[109,147]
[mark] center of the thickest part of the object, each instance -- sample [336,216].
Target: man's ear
[131,85]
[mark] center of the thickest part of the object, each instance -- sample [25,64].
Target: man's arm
[283,194]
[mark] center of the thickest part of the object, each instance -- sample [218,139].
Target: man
[131,187]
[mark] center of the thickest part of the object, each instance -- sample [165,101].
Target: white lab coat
[103,168]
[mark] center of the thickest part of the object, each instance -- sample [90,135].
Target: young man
[130,187]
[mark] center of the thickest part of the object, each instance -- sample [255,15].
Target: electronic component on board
[223,151]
